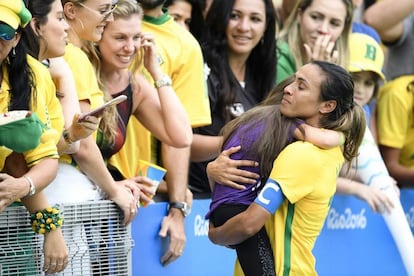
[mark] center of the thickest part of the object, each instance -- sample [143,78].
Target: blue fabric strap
[270,197]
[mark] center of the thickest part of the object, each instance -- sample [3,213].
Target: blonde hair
[124,9]
[291,34]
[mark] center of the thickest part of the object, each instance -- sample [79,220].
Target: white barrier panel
[98,243]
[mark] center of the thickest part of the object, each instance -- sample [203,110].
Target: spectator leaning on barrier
[27,85]
[365,66]
[87,19]
[369,178]
[180,57]
[161,113]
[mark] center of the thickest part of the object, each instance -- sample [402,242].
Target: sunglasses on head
[6,31]
[104,14]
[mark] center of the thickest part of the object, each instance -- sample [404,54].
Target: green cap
[23,134]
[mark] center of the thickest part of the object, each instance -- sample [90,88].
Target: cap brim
[9,17]
[354,68]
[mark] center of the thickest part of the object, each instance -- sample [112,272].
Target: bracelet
[66,137]
[32,187]
[46,220]
[164,81]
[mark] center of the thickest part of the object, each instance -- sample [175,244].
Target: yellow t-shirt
[83,72]
[395,118]
[180,57]
[307,176]
[86,83]
[47,107]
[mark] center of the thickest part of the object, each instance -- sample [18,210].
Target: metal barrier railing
[98,242]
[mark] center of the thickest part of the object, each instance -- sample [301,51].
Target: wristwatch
[164,81]
[183,206]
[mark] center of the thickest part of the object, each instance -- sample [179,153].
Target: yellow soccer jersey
[47,107]
[86,83]
[307,176]
[395,118]
[180,58]
[84,74]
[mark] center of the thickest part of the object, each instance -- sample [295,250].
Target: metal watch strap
[182,206]
[164,81]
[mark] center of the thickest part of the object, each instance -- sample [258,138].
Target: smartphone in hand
[97,112]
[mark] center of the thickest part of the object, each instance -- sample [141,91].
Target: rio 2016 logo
[346,220]
[200,226]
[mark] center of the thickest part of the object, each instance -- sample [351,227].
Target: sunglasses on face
[6,31]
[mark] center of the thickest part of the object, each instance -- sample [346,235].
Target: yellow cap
[14,13]
[365,54]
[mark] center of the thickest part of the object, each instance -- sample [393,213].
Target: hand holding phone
[97,112]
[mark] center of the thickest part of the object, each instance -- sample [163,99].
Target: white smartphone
[97,112]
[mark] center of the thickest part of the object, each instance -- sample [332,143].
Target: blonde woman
[315,30]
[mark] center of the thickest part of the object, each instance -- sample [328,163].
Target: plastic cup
[153,172]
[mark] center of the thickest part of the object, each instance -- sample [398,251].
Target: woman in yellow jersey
[87,20]
[292,203]
[26,85]
[46,39]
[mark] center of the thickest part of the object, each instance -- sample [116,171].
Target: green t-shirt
[286,65]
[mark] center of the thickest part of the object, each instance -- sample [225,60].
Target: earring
[13,53]
[262,41]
